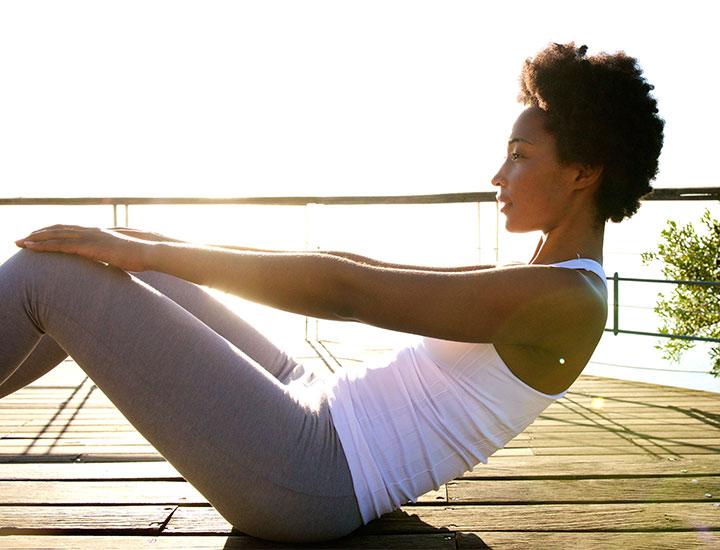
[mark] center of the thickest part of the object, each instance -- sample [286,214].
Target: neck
[568,241]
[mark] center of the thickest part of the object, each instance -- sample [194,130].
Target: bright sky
[323,97]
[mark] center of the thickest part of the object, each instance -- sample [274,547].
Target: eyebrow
[516,139]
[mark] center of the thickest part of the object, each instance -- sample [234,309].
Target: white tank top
[431,414]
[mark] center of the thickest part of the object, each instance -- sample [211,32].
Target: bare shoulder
[551,302]
[566,325]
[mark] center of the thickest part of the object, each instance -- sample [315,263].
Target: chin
[515,225]
[511,227]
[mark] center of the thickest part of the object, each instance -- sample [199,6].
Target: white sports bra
[585,264]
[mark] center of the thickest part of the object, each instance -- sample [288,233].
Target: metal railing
[660,194]
[616,308]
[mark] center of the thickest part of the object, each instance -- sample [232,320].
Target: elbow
[344,304]
[347,301]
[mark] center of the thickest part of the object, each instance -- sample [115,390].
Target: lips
[504,204]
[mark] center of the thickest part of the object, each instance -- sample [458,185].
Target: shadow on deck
[614,464]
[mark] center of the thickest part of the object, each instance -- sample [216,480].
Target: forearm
[365,260]
[304,282]
[406,267]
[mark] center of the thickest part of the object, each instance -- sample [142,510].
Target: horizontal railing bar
[271,201]
[684,194]
[635,280]
[694,193]
[660,335]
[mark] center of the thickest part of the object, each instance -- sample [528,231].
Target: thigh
[225,322]
[47,353]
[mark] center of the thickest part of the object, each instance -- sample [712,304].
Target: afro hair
[601,113]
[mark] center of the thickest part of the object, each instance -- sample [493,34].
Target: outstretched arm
[156,237]
[528,305]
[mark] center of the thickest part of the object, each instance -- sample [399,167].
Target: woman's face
[532,190]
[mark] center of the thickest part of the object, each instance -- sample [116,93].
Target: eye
[515,156]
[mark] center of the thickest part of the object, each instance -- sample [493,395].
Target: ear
[587,175]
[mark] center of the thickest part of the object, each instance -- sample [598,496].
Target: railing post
[616,303]
[497,232]
[479,223]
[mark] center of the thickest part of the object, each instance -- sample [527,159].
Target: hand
[103,245]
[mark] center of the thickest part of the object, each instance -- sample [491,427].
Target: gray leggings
[213,396]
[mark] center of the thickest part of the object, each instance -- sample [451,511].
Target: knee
[38,267]
[39,263]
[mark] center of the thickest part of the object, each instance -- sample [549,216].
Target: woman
[295,455]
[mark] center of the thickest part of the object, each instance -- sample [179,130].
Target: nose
[499,178]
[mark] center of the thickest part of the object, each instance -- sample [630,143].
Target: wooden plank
[650,401]
[49,415]
[17,493]
[626,388]
[659,429]
[130,471]
[597,414]
[434,497]
[594,466]
[121,492]
[59,440]
[536,540]
[60,406]
[440,541]
[73,519]
[514,452]
[77,421]
[701,412]
[82,457]
[63,430]
[77,448]
[600,422]
[673,450]
[612,439]
[685,516]
[644,489]
[551,517]
[15,459]
[649,540]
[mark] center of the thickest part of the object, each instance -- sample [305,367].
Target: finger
[60,233]
[52,235]
[53,245]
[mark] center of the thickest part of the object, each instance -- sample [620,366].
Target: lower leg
[44,357]
[225,322]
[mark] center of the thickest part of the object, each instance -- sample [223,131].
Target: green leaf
[690,310]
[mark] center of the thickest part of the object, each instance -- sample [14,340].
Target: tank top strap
[585,264]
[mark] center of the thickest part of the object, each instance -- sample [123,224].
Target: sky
[220,98]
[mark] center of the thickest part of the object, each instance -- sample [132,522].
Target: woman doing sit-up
[292,454]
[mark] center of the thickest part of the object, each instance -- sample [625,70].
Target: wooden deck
[612,465]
